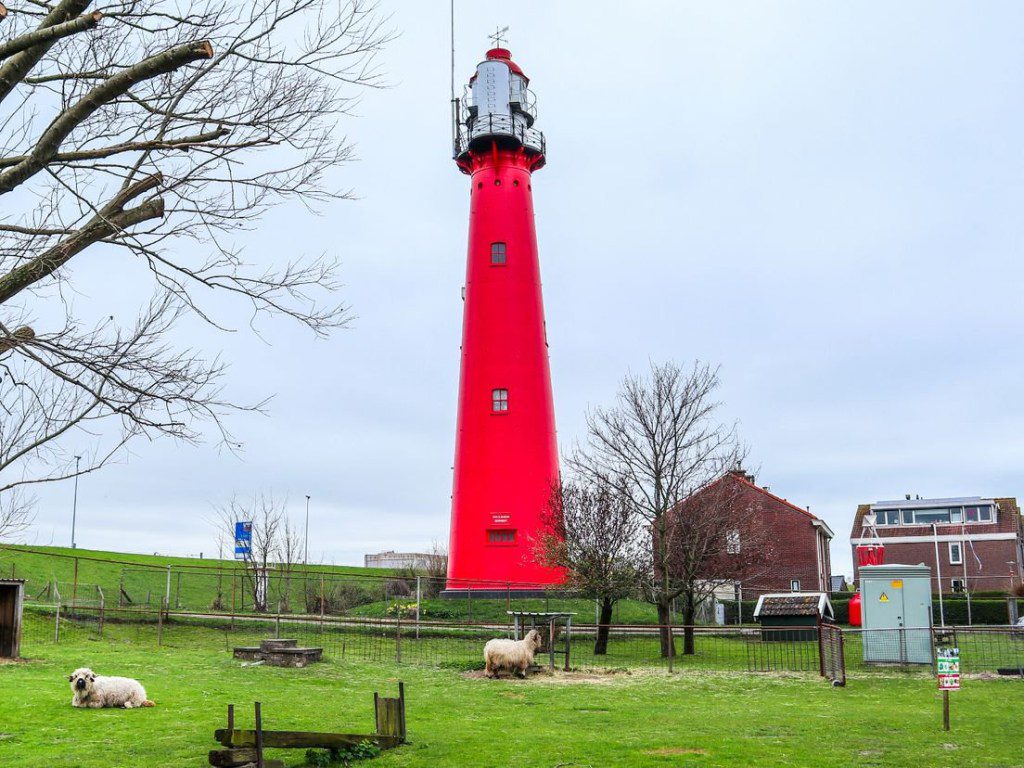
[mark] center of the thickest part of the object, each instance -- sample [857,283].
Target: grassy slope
[143,575]
[724,719]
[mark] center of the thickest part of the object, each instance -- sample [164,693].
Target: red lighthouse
[506,457]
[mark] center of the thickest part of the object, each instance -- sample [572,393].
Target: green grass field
[641,718]
[194,583]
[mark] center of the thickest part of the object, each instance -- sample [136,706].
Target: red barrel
[855,610]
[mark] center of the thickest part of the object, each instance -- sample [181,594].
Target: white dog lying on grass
[96,692]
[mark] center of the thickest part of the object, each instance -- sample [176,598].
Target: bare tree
[656,446]
[266,514]
[15,514]
[148,133]
[288,554]
[436,570]
[716,537]
[591,531]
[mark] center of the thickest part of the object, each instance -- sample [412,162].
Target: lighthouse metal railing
[497,126]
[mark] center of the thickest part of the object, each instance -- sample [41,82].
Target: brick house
[799,560]
[980,541]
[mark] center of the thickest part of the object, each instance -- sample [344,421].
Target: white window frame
[733,543]
[960,553]
[794,585]
[499,400]
[954,582]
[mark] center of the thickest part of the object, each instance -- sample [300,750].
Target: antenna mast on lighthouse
[506,457]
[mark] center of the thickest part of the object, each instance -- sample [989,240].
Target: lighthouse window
[499,400]
[501,537]
[497,253]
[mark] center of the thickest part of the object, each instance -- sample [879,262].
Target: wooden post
[376,712]
[259,736]
[401,709]
[120,594]
[551,644]
[568,641]
[945,710]
[231,717]
[103,604]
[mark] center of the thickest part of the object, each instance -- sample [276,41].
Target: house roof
[1009,517]
[736,476]
[794,604]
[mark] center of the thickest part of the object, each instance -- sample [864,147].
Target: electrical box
[896,613]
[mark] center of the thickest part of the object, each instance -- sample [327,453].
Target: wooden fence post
[259,736]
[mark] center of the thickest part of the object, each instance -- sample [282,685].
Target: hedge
[983,610]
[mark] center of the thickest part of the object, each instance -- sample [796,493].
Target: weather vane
[498,37]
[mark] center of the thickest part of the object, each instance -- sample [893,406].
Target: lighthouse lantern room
[506,457]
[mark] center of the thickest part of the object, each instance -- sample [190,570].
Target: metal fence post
[56,626]
[160,625]
[103,604]
[277,621]
[419,597]
[398,638]
[167,589]
[74,587]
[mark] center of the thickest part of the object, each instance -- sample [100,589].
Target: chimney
[741,473]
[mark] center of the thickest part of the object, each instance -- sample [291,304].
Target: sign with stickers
[948,668]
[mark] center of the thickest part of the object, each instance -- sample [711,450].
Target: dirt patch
[557,677]
[5,662]
[669,751]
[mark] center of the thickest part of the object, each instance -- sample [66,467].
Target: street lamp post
[74,504]
[305,548]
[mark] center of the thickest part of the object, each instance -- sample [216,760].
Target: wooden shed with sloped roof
[792,615]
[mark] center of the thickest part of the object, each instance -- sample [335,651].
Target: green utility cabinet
[896,613]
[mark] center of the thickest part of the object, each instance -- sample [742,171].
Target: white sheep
[513,655]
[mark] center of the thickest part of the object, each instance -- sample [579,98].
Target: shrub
[364,750]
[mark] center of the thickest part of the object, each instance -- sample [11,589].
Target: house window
[957,585]
[499,400]
[501,537]
[498,254]
[888,516]
[732,541]
[985,514]
[956,555]
[956,515]
[794,585]
[908,517]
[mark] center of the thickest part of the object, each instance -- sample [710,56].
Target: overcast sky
[823,198]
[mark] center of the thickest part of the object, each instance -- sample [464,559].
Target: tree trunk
[689,611]
[664,616]
[601,644]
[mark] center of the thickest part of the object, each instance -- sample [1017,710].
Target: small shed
[12,596]
[792,615]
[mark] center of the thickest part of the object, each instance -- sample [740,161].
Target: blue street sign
[243,540]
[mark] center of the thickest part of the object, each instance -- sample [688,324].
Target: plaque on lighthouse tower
[506,457]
